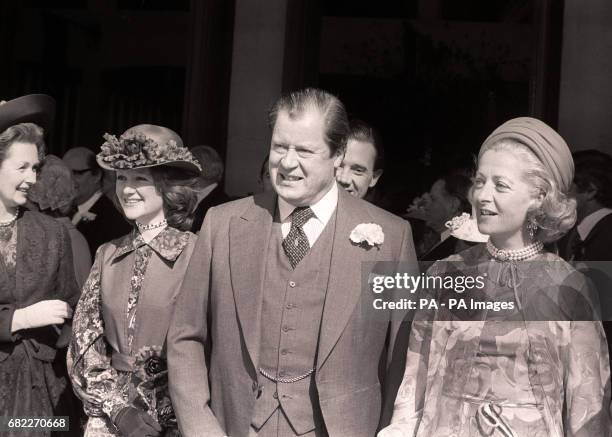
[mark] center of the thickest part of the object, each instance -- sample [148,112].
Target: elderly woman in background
[540,367]
[117,357]
[37,285]
[54,195]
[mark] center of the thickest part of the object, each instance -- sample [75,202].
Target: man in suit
[591,239]
[447,198]
[97,217]
[363,162]
[212,193]
[272,335]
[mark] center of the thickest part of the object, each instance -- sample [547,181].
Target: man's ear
[339,157]
[590,192]
[455,204]
[377,174]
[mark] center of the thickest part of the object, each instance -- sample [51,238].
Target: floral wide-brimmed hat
[143,146]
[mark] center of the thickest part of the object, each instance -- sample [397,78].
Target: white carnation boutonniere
[367,235]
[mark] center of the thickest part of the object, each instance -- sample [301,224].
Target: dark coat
[31,382]
[108,225]
[596,247]
[214,198]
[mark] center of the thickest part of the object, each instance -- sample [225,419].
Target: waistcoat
[292,309]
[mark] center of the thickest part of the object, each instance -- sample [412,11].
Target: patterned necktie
[296,244]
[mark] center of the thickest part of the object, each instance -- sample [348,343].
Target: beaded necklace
[11,221]
[161,224]
[516,254]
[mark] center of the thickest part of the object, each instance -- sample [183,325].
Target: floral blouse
[8,249]
[104,389]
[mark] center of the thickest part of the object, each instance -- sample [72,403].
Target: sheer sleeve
[409,402]
[587,386]
[94,380]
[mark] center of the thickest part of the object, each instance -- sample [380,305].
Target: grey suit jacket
[213,343]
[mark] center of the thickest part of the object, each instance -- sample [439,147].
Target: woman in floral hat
[116,358]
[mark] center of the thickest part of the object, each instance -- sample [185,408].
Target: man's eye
[478,183]
[121,178]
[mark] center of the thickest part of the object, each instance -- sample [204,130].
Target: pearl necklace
[11,221]
[517,254]
[161,224]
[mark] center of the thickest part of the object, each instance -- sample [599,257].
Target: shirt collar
[168,244]
[209,189]
[588,223]
[89,203]
[444,235]
[322,210]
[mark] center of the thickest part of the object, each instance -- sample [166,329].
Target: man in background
[212,174]
[591,238]
[363,162]
[96,218]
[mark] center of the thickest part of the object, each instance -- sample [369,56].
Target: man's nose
[290,160]
[342,177]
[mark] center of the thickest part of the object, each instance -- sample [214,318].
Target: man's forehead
[79,158]
[360,152]
[306,112]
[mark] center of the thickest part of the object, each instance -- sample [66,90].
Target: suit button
[282,374]
[284,352]
[289,306]
[285,328]
[275,395]
[291,284]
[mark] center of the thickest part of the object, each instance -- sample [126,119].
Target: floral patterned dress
[110,375]
[540,369]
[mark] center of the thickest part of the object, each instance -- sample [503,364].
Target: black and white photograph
[318,218]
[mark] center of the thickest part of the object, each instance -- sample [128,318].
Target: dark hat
[33,108]
[143,146]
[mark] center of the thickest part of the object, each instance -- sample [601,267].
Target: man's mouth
[290,178]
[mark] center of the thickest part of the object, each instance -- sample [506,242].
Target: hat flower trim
[136,150]
[367,235]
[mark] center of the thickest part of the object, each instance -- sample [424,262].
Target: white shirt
[323,211]
[85,207]
[206,191]
[588,223]
[444,235]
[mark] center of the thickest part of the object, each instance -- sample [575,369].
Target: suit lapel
[249,237]
[344,283]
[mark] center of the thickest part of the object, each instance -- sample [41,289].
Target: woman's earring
[532,227]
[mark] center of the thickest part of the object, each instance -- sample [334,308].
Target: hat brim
[184,165]
[33,108]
